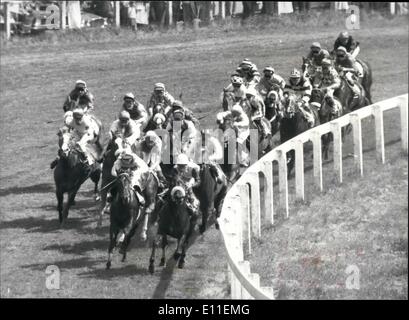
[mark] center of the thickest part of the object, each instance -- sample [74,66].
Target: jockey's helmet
[124,117]
[177,104]
[295,77]
[129,96]
[343,35]
[182,159]
[159,87]
[78,113]
[245,65]
[80,84]
[237,81]
[316,47]
[326,62]
[341,52]
[295,74]
[178,114]
[237,109]
[269,69]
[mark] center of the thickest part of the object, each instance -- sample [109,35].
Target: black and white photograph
[209,151]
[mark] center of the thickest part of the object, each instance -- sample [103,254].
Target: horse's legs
[152,258]
[164,245]
[185,241]
[176,255]
[112,240]
[60,199]
[218,204]
[95,176]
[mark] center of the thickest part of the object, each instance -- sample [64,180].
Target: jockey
[241,123]
[136,110]
[237,87]
[213,154]
[255,104]
[249,73]
[300,85]
[150,150]
[127,160]
[125,131]
[330,79]
[82,130]
[346,64]
[188,114]
[271,81]
[302,88]
[317,54]
[345,40]
[188,129]
[160,96]
[79,97]
[188,173]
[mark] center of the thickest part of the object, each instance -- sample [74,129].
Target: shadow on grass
[167,272]
[80,248]
[32,224]
[37,188]
[77,263]
[126,271]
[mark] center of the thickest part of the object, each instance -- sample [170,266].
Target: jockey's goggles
[341,55]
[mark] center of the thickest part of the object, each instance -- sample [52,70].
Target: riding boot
[54,163]
[162,180]
[215,173]
[138,192]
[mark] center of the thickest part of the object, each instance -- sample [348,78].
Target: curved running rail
[241,214]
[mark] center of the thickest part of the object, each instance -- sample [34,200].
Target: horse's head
[316,94]
[159,120]
[178,195]
[328,106]
[125,188]
[289,105]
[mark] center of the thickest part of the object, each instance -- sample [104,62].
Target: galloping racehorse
[230,167]
[125,215]
[72,170]
[175,220]
[211,195]
[158,123]
[330,109]
[294,123]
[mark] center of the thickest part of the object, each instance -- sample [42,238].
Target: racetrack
[33,86]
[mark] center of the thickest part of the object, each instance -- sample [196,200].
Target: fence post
[63,14]
[255,203]
[357,136]
[117,14]
[337,134]
[283,183]
[244,203]
[404,123]
[7,19]
[379,134]
[299,170]
[268,192]
[245,267]
[317,155]
[170,12]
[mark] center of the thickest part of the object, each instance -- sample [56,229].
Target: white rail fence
[241,214]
